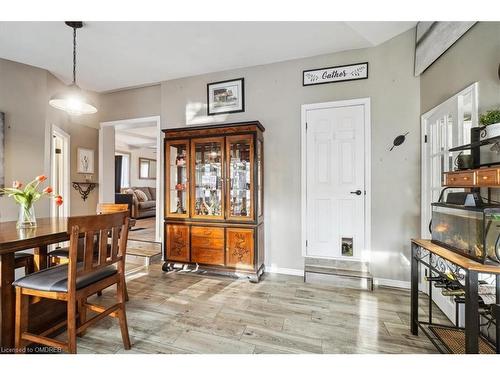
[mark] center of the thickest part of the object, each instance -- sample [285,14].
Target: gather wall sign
[332,74]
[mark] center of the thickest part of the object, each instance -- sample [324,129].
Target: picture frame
[226,97]
[332,74]
[85,160]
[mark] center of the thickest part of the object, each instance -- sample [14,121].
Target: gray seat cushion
[19,255]
[147,205]
[62,252]
[55,279]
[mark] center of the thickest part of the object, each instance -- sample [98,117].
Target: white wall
[274,95]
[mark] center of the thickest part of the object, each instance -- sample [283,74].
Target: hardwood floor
[144,230]
[187,313]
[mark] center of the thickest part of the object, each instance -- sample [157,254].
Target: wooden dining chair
[24,260]
[60,256]
[75,281]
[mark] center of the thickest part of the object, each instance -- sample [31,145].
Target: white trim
[365,255]
[66,193]
[159,165]
[284,271]
[391,283]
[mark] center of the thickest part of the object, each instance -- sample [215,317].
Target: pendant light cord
[74,55]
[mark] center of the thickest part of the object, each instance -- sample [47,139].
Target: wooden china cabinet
[214,198]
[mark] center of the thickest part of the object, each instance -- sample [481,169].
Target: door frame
[159,165]
[66,193]
[365,102]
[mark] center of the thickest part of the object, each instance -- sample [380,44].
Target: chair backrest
[102,227]
[109,208]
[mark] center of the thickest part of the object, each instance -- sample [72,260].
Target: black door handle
[357,192]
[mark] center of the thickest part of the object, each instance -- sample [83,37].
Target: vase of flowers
[26,198]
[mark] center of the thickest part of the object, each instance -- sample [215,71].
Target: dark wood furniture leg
[471,313]
[414,290]
[8,299]
[40,255]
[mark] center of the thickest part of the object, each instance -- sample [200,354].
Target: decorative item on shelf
[84,188]
[26,198]
[226,97]
[464,161]
[180,160]
[491,122]
[180,187]
[180,210]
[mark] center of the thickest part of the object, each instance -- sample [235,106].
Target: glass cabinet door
[208,187]
[177,157]
[240,182]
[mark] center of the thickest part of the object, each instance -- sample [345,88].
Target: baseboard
[284,271]
[391,283]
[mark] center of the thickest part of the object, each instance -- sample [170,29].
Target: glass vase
[27,217]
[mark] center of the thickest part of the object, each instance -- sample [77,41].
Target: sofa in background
[143,205]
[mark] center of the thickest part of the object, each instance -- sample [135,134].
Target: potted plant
[27,196]
[491,121]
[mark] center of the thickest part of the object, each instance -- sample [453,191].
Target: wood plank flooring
[187,313]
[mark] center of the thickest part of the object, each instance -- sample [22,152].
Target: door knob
[357,192]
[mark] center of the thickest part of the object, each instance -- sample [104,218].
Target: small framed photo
[226,97]
[85,159]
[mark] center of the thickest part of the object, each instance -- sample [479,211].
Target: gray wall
[274,95]
[24,95]
[129,104]
[473,58]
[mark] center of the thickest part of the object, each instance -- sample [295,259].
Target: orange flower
[17,184]
[48,190]
[41,178]
[58,200]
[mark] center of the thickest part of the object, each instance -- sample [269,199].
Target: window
[125,172]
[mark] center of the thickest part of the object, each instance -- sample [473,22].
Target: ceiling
[115,55]
[137,135]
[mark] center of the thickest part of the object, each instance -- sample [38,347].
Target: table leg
[40,257]
[414,290]
[8,299]
[471,313]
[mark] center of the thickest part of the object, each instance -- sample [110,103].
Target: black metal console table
[439,260]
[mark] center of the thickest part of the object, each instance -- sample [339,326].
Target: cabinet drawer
[208,232]
[207,255]
[486,177]
[240,248]
[177,242]
[213,243]
[460,179]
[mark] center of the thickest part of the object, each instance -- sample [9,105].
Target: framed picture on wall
[226,96]
[85,160]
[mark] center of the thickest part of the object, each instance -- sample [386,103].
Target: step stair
[338,268]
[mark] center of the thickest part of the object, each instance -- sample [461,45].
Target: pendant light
[73,101]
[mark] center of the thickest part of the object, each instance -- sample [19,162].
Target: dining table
[48,231]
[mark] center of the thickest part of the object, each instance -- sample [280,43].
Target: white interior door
[335,182]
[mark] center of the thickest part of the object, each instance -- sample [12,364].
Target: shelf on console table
[469,178]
